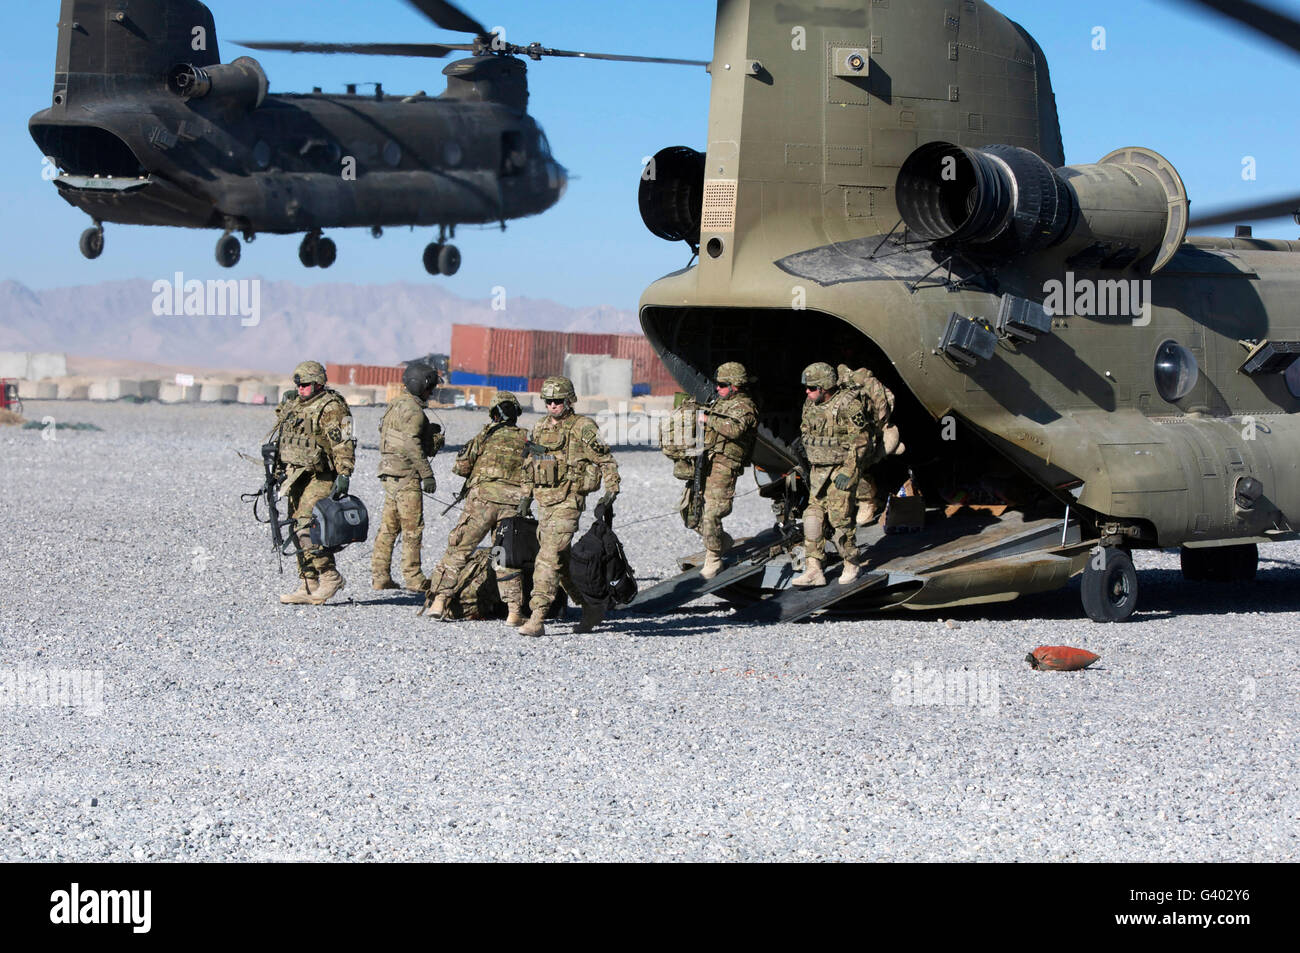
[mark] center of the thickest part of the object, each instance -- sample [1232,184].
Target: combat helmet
[818,375]
[420,379]
[505,406]
[309,372]
[732,372]
[558,388]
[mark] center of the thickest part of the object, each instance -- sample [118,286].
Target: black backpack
[599,566]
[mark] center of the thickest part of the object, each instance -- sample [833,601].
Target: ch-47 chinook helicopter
[884,186]
[147,127]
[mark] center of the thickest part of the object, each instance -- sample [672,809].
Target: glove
[843,481]
[340,488]
[429,485]
[525,507]
[608,499]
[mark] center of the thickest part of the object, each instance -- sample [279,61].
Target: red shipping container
[548,353]
[363,375]
[646,365]
[471,348]
[591,344]
[535,384]
[510,353]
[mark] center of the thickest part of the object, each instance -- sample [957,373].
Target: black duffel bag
[515,542]
[335,523]
[598,565]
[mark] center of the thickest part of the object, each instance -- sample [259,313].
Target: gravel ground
[234,728]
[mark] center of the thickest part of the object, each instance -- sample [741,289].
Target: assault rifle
[695,511]
[268,495]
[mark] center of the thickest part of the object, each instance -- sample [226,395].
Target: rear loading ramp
[966,559]
[747,559]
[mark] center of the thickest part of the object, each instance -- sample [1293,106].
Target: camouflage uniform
[568,461]
[730,426]
[493,467]
[879,401]
[406,440]
[837,438]
[316,448]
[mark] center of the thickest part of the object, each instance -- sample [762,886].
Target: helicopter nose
[557,178]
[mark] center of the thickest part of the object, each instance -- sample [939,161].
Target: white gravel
[234,728]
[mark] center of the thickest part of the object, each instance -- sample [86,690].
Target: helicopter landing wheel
[307,251]
[326,252]
[92,242]
[431,252]
[228,251]
[449,260]
[1110,585]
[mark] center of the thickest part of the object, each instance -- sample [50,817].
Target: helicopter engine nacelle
[672,194]
[242,83]
[1006,201]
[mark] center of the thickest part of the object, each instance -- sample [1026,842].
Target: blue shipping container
[516,384]
[640,390]
[466,379]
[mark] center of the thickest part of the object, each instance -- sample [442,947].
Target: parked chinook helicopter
[890,180]
[147,127]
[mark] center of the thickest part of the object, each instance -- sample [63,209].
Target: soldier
[567,461]
[837,438]
[879,401]
[493,467]
[730,425]
[319,454]
[406,440]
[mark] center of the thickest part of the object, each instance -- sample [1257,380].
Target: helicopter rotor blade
[1275,25]
[449,16]
[1264,211]
[429,50]
[537,51]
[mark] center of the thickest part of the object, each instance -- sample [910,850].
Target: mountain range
[345,323]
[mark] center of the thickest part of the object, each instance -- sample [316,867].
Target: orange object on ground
[1060,658]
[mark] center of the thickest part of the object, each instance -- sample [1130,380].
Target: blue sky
[1200,90]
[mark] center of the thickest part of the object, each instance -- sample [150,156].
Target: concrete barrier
[171,393]
[70,390]
[212,393]
[258,392]
[149,389]
[38,390]
[14,364]
[597,375]
[43,365]
[113,388]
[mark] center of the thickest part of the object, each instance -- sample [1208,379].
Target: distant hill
[367,324]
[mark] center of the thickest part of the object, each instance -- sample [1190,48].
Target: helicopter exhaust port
[1006,201]
[242,82]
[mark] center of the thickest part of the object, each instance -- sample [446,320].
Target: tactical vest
[831,429]
[557,459]
[302,443]
[494,463]
[394,446]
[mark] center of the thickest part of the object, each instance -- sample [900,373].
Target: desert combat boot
[812,576]
[302,595]
[536,624]
[516,618]
[329,585]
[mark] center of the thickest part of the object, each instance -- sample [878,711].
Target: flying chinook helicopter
[147,127]
[884,185]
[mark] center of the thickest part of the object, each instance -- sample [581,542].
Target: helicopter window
[514,157]
[452,153]
[543,145]
[262,154]
[1176,371]
[1292,377]
[392,153]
